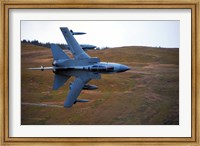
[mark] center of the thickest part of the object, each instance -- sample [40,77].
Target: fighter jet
[82,66]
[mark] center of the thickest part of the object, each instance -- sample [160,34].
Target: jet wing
[75,90]
[74,47]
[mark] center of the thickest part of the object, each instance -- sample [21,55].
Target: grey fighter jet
[82,66]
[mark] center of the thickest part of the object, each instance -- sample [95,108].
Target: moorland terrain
[148,94]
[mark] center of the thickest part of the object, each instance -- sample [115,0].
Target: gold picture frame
[44,4]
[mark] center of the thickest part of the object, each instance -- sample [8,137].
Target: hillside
[148,94]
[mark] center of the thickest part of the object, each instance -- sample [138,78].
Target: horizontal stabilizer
[58,53]
[59,81]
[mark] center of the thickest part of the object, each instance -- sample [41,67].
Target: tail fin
[59,81]
[58,53]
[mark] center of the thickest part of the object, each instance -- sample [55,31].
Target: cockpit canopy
[101,68]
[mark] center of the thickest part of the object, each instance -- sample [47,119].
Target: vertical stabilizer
[58,53]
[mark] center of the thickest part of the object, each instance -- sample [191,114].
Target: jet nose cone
[123,68]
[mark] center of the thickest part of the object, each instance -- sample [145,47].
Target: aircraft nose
[123,68]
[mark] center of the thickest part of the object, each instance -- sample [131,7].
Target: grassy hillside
[146,94]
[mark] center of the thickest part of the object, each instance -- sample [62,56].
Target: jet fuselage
[100,67]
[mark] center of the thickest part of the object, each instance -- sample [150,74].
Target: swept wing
[75,89]
[74,47]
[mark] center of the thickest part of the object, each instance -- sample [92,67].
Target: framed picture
[152,98]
